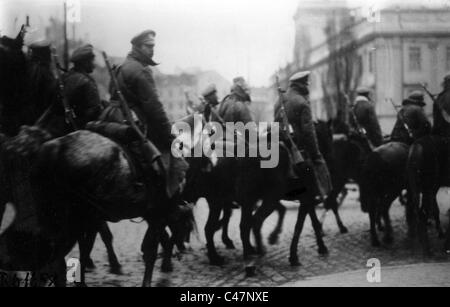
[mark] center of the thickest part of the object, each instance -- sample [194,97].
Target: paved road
[348,252]
[413,275]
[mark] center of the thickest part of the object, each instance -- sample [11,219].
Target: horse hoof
[344,230]
[376,243]
[116,270]
[273,239]
[388,240]
[90,265]
[294,261]
[216,260]
[323,251]
[261,251]
[250,271]
[229,244]
[167,268]
[250,251]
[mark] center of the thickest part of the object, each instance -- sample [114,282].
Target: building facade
[393,51]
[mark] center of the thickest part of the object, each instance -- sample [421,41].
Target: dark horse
[63,188]
[242,180]
[383,180]
[427,172]
[324,132]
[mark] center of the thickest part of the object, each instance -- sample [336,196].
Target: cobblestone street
[348,252]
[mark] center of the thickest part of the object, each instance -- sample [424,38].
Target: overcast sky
[251,38]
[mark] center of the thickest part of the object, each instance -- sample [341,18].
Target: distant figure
[441,111]
[413,115]
[234,107]
[81,89]
[366,117]
[211,100]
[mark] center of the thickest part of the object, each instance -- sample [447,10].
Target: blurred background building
[390,49]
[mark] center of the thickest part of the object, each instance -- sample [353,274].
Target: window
[415,59]
[371,61]
[448,59]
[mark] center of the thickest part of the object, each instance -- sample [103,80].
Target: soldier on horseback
[441,111]
[80,89]
[366,117]
[136,82]
[234,107]
[209,95]
[298,112]
[412,122]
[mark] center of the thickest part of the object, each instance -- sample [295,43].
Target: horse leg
[388,237]
[275,235]
[322,249]
[373,216]
[227,212]
[167,244]
[302,213]
[447,241]
[260,216]
[437,218]
[245,227]
[107,238]
[86,243]
[2,212]
[333,204]
[212,225]
[150,247]
[423,220]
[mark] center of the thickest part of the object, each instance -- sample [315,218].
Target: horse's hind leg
[227,212]
[423,220]
[388,237]
[332,204]
[260,216]
[275,235]
[245,228]
[302,213]
[373,229]
[150,247]
[107,238]
[323,250]
[167,245]
[212,225]
[437,218]
[447,241]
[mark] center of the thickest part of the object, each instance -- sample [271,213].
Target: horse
[64,186]
[427,172]
[382,181]
[243,181]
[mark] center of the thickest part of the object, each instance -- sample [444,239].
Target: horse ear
[8,218]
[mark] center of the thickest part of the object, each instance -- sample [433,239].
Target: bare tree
[344,69]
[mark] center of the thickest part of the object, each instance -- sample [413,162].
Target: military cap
[42,44]
[362,90]
[300,76]
[83,53]
[240,82]
[145,37]
[418,98]
[211,89]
